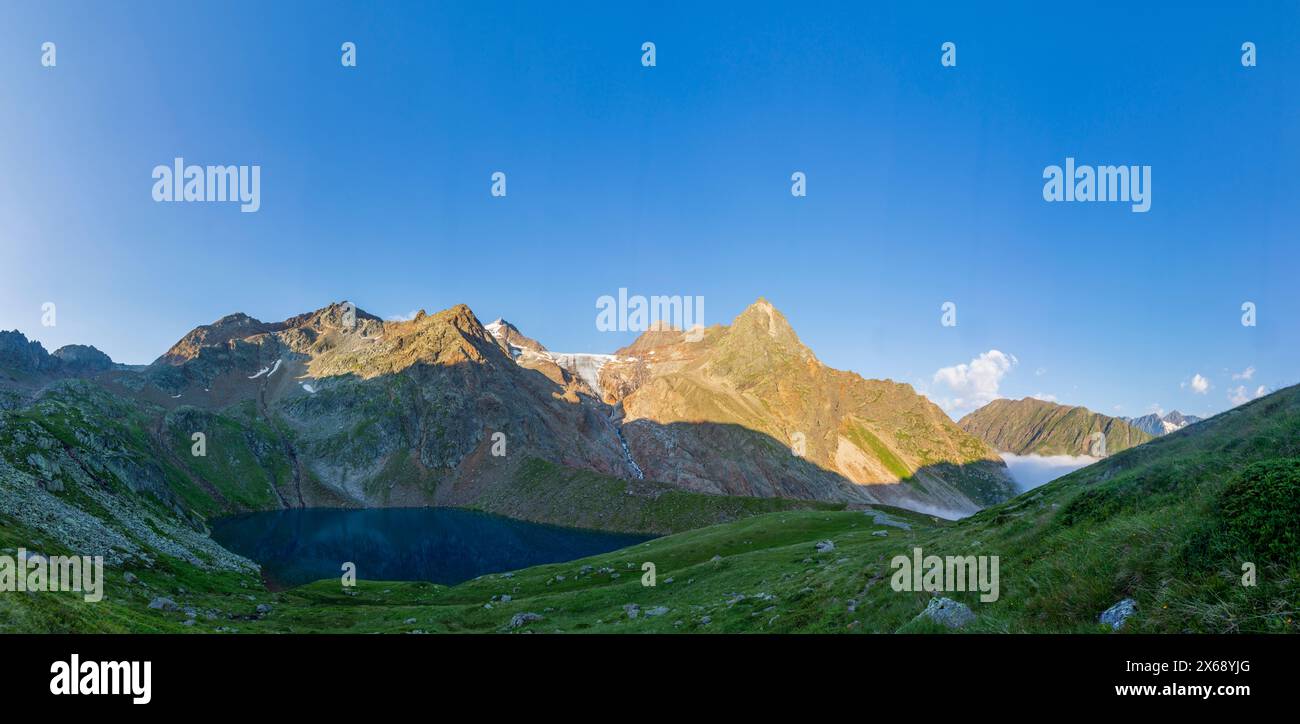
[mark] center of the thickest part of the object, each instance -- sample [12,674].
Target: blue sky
[924,182]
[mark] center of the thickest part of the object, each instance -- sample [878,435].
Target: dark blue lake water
[442,545]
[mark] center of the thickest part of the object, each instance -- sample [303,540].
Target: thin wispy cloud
[1240,394]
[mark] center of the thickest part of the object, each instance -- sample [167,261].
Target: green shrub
[1261,509]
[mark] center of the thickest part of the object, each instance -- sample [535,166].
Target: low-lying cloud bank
[1031,471]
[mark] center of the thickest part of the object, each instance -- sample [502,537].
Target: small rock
[505,598]
[825,546]
[130,577]
[657,611]
[880,533]
[706,620]
[632,610]
[163,604]
[1116,615]
[263,609]
[409,621]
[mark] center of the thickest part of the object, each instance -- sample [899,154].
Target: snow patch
[585,367]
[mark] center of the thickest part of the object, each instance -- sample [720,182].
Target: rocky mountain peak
[80,358]
[763,319]
[761,335]
[513,339]
[28,357]
[19,353]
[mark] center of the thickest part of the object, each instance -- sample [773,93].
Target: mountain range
[339,408]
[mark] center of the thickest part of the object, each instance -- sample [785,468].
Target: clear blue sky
[924,183]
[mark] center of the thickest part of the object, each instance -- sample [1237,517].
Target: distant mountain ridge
[25,366]
[1030,426]
[1156,425]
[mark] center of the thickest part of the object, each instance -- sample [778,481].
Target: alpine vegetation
[1099,183]
[211,183]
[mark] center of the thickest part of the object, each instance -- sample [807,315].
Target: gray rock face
[948,612]
[163,604]
[81,358]
[263,609]
[825,546]
[1116,615]
[520,619]
[632,610]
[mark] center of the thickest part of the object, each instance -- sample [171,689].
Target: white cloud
[403,317]
[1199,384]
[1245,374]
[1044,397]
[1239,394]
[1031,471]
[1040,371]
[973,384]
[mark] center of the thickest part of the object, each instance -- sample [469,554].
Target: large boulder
[947,612]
